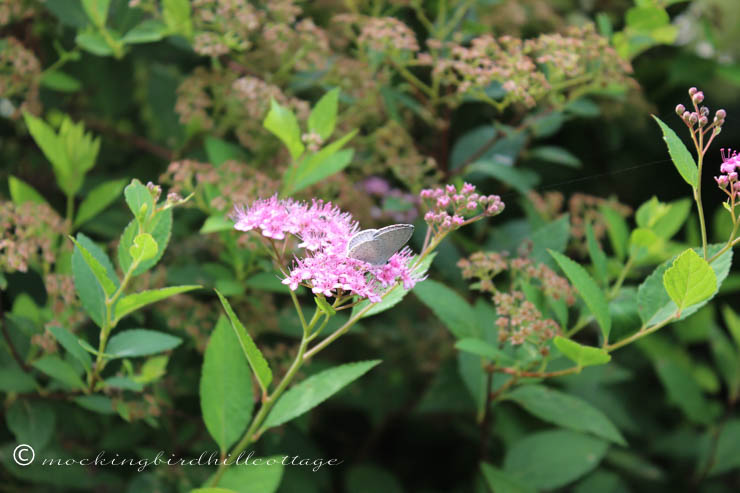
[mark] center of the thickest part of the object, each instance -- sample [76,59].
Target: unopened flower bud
[698,97]
[703,121]
[693,118]
[721,114]
[686,116]
[693,91]
[704,111]
[680,109]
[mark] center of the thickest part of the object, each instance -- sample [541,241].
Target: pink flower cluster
[448,207]
[324,231]
[728,180]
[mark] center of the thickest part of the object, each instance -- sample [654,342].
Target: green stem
[70,211]
[644,331]
[620,280]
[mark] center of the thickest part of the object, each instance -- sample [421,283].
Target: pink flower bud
[680,109]
[692,91]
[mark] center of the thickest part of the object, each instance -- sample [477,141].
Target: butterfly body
[376,246]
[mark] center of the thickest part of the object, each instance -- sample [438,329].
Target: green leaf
[732,320]
[449,307]
[140,342]
[598,257]
[101,274]
[580,354]
[399,293]
[31,422]
[143,249]
[646,18]
[502,482]
[96,403]
[551,459]
[566,411]
[94,42]
[160,227]
[212,490]
[58,369]
[256,360]
[147,31]
[486,350]
[670,224]
[616,227]
[655,305]
[53,149]
[367,477]
[322,164]
[89,289]
[727,451]
[139,200]
[219,151]
[323,116]
[96,10]
[134,301]
[521,180]
[21,192]
[592,295]
[557,155]
[124,383]
[314,390]
[263,477]
[690,280]
[284,125]
[98,199]
[324,306]
[226,399]
[216,223]
[176,14]
[552,236]
[70,343]
[13,379]
[680,155]
[57,80]
[643,242]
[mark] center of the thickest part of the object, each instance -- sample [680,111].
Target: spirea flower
[324,230]
[728,180]
[449,207]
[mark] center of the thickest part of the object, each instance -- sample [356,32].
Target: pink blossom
[728,181]
[324,231]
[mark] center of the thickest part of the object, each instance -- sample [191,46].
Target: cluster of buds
[728,181]
[312,140]
[484,266]
[698,120]
[448,207]
[520,321]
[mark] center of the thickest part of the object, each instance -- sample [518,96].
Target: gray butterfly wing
[377,248]
[360,237]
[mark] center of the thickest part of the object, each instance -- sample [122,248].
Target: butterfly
[376,246]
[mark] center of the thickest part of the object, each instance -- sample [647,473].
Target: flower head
[449,208]
[323,231]
[728,180]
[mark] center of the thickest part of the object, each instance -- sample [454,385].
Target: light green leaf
[98,199]
[643,242]
[88,287]
[139,199]
[219,151]
[732,320]
[143,249]
[502,482]
[592,295]
[315,390]
[58,369]
[313,168]
[94,42]
[580,354]
[551,459]
[176,14]
[53,148]
[284,125]
[256,360]
[140,342]
[159,226]
[226,398]
[449,307]
[598,257]
[617,229]
[680,155]
[96,10]
[31,422]
[216,223]
[263,476]
[690,280]
[323,116]
[565,410]
[147,31]
[57,80]
[70,343]
[324,306]
[21,192]
[134,301]
[486,350]
[101,274]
